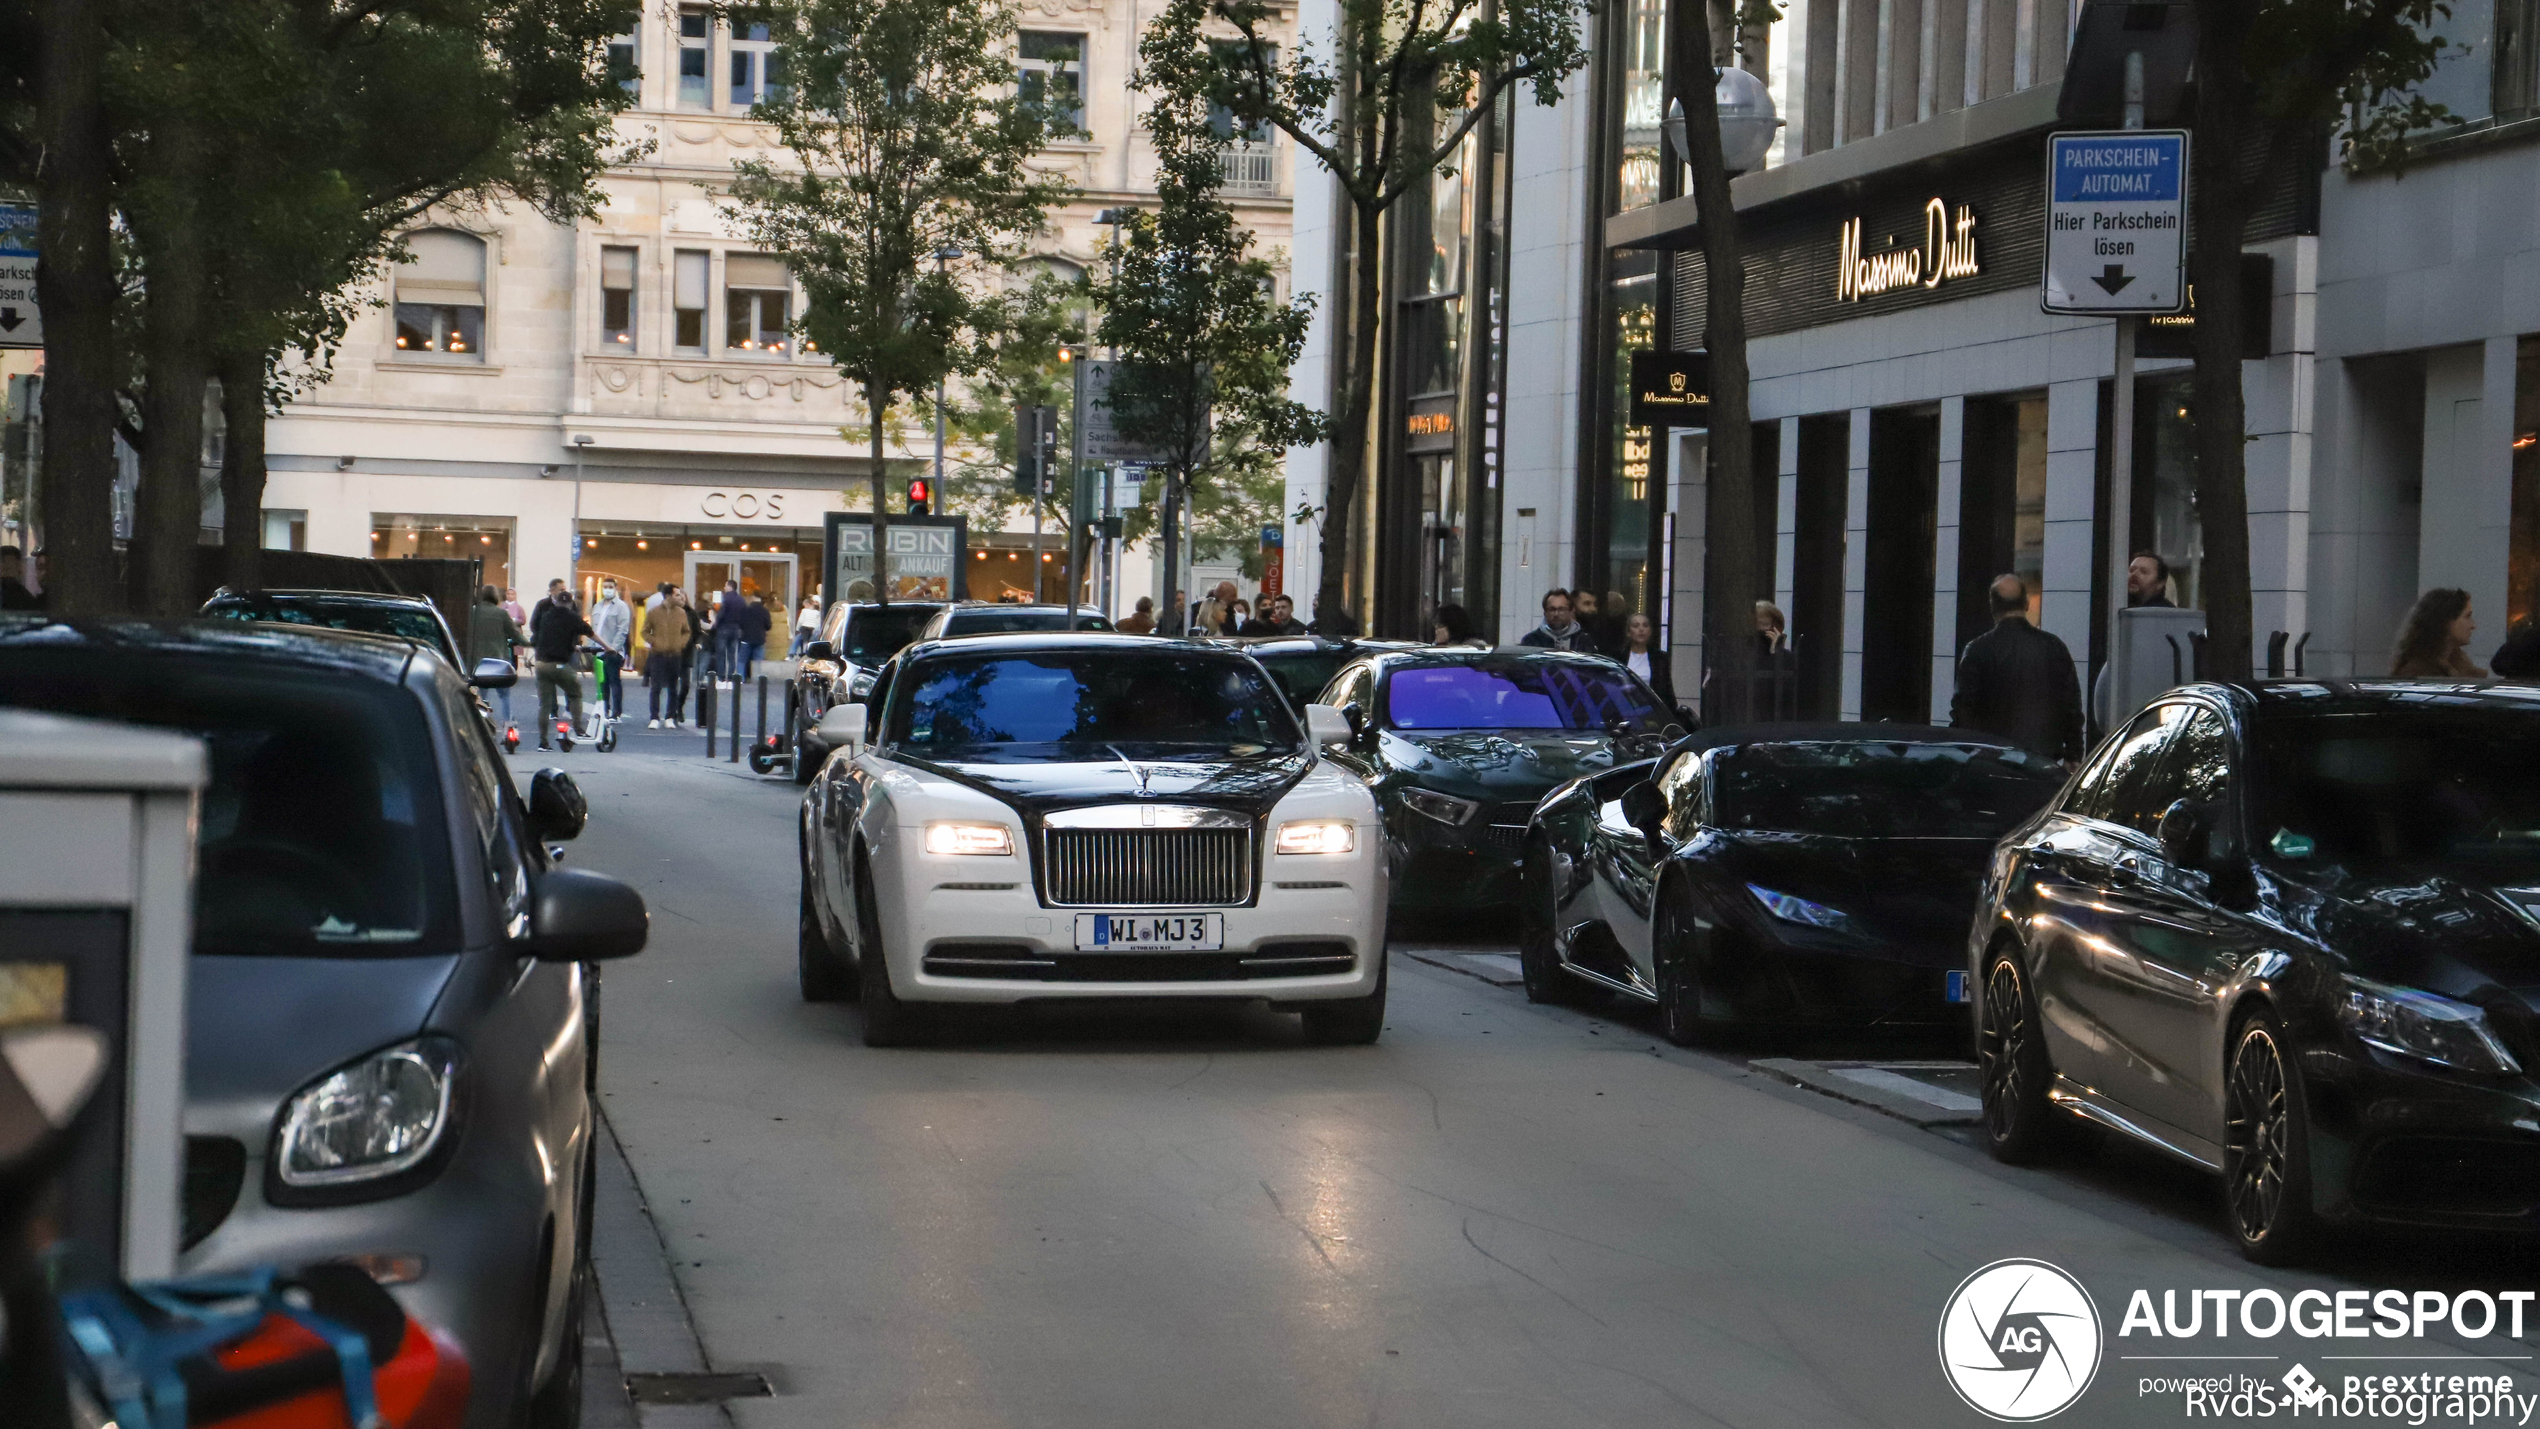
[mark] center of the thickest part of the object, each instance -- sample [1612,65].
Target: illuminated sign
[1671,389]
[1430,425]
[1947,250]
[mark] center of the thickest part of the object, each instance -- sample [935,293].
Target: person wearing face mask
[613,627]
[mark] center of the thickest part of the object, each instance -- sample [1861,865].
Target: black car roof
[345,652]
[1843,732]
[2372,695]
[1019,640]
[1476,655]
[333,597]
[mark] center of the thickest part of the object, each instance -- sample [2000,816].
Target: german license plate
[1150,932]
[1958,985]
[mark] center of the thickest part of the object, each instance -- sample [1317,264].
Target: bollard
[735,729]
[762,713]
[705,710]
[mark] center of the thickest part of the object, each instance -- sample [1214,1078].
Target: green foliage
[906,139]
[2313,63]
[1024,369]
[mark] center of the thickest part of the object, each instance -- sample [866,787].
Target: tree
[1204,347]
[910,139]
[1402,83]
[2274,77]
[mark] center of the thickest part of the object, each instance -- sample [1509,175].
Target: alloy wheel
[2001,1047]
[2257,1137]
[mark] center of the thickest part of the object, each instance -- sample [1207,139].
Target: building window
[617,297]
[487,539]
[625,63]
[1248,164]
[1051,77]
[440,305]
[688,301]
[696,44]
[758,296]
[757,70]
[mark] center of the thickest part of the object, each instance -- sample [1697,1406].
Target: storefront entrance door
[770,574]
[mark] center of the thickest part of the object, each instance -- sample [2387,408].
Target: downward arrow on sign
[9,320]
[2114,278]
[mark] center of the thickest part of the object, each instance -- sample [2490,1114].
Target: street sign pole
[1075,502]
[2116,224]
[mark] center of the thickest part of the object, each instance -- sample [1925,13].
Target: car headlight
[862,683]
[1791,908]
[1318,836]
[2424,1026]
[381,1115]
[990,840]
[1445,808]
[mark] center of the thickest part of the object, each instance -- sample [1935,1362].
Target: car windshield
[2387,790]
[320,834]
[877,633]
[1864,789]
[993,620]
[1545,694]
[1079,704]
[1302,674]
[406,622]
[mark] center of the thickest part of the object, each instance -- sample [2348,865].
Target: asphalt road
[1499,1215]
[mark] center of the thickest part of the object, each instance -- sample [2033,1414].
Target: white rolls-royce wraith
[1018,818]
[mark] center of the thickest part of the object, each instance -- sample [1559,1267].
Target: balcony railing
[1249,168]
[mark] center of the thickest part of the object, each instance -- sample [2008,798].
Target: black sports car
[1301,665]
[1776,874]
[1460,743]
[2291,934]
[838,665]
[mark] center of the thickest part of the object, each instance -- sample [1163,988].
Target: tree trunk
[168,516]
[242,469]
[1176,613]
[1729,566]
[2224,125]
[880,407]
[1348,460]
[75,283]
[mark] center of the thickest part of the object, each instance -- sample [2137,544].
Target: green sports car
[1460,744]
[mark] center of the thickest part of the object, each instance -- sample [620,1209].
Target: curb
[1872,1085]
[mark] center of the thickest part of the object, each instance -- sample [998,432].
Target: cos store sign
[743,505]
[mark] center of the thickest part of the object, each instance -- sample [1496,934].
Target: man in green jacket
[492,634]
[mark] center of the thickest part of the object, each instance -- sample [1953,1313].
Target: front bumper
[1439,866]
[964,939]
[1831,982]
[2396,1143]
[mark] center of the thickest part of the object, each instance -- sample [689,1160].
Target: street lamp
[1747,121]
[943,255]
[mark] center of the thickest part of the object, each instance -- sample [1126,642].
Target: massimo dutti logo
[1948,250]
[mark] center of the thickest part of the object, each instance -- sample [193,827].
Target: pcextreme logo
[2019,1340]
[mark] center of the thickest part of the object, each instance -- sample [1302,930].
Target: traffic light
[1035,448]
[920,492]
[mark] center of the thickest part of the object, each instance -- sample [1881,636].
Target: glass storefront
[1001,574]
[488,539]
[1634,496]
[780,564]
[2165,518]
[1640,158]
[2522,571]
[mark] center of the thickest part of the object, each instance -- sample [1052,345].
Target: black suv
[838,665]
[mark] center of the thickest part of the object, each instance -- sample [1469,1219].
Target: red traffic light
[921,493]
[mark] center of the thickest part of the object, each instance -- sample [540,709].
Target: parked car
[838,665]
[1460,744]
[983,617]
[390,1026]
[406,617]
[1781,875]
[2290,934]
[1301,665]
[1062,816]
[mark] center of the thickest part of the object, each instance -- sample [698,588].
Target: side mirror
[1645,808]
[1686,717]
[1327,726]
[557,809]
[580,916]
[843,728]
[820,650]
[2184,827]
[492,674]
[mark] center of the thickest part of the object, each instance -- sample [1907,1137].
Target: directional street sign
[21,322]
[2116,222]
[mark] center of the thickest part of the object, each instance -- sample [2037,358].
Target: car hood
[1507,764]
[1249,785]
[1915,894]
[2433,930]
[259,1029]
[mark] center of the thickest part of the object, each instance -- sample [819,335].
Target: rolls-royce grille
[1148,868]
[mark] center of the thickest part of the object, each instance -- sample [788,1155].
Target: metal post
[2121,435]
[762,713]
[705,709]
[1110,607]
[1076,468]
[734,756]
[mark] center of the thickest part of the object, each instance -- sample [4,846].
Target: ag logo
[2019,1340]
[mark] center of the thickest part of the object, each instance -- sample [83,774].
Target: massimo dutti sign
[1946,249]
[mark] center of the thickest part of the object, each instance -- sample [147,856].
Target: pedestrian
[2016,682]
[1333,620]
[806,626]
[2434,640]
[1642,657]
[536,612]
[1280,614]
[1208,617]
[665,646]
[613,627]
[683,657]
[560,633]
[2519,657]
[492,634]
[512,608]
[14,594]
[1454,626]
[1238,616]
[2147,581]
[758,620]
[1560,629]
[1591,619]
[728,629]
[1140,621]
[1772,646]
[1265,621]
